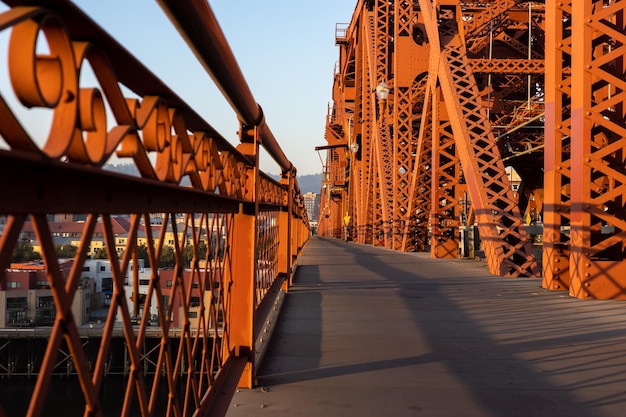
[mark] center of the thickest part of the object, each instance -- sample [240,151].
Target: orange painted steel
[456,70]
[597,187]
[232,233]
[473,85]
[556,215]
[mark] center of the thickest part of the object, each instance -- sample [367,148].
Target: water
[65,397]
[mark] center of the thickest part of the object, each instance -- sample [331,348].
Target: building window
[45,316]
[144,282]
[194,302]
[17,319]
[168,283]
[103,268]
[86,269]
[193,314]
[14,284]
[17,303]
[42,284]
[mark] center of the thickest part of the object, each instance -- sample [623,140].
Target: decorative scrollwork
[147,129]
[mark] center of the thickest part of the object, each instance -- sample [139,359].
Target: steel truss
[467,111]
[585,134]
[431,156]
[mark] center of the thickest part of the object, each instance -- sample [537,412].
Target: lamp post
[382,93]
[353,148]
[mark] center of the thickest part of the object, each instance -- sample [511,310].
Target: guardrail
[230,233]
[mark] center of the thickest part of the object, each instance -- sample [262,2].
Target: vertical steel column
[368,115]
[446,168]
[557,162]
[598,181]
[404,69]
[243,272]
[383,176]
[416,234]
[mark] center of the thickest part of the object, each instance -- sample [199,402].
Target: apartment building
[26,299]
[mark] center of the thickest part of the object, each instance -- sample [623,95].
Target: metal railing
[215,252]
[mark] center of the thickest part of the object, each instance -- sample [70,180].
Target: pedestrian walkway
[366,331]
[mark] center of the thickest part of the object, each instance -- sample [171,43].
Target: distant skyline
[285,49]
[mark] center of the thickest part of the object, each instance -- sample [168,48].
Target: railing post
[244,250]
[285,230]
[242,288]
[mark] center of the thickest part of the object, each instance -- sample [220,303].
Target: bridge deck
[370,332]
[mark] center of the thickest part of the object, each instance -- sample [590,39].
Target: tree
[142,253]
[24,252]
[188,253]
[100,253]
[168,257]
[65,251]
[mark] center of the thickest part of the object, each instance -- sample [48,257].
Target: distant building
[26,298]
[99,270]
[311,203]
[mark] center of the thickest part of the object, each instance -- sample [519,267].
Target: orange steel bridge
[438,104]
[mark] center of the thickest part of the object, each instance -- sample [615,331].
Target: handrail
[197,24]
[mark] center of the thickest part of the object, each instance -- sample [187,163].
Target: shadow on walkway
[368,331]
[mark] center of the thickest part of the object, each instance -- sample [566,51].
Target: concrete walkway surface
[367,331]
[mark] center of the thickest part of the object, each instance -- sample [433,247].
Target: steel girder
[506,244]
[446,184]
[596,159]
[557,163]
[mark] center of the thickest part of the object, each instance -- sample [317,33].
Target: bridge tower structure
[502,117]
[427,156]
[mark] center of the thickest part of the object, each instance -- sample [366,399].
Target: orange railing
[162,279]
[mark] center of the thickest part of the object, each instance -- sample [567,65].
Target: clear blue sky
[285,48]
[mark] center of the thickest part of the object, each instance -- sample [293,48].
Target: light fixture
[382,91]
[354,147]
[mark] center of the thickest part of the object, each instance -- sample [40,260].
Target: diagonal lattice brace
[507,248]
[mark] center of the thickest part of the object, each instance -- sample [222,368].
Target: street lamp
[382,91]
